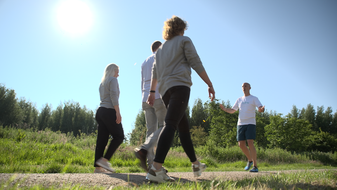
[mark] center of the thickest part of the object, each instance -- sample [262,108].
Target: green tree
[198,136]
[56,118]
[319,119]
[67,119]
[138,134]
[333,127]
[29,114]
[288,133]
[199,116]
[327,120]
[223,125]
[262,120]
[309,114]
[323,142]
[44,117]
[295,113]
[10,111]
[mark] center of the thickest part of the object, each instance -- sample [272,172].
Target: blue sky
[286,50]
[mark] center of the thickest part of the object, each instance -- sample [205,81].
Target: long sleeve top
[109,93]
[173,63]
[146,72]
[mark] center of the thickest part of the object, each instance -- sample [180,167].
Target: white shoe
[198,169]
[159,176]
[105,164]
[100,170]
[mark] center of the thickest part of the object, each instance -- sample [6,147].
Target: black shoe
[141,155]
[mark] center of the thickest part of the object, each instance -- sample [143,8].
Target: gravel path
[125,179]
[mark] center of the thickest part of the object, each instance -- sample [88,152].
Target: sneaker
[105,164]
[100,170]
[159,176]
[249,164]
[254,169]
[141,155]
[198,169]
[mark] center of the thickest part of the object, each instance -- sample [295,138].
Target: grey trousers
[154,117]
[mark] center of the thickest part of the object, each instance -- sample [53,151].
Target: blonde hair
[110,71]
[173,27]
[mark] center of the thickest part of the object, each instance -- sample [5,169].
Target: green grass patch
[28,151]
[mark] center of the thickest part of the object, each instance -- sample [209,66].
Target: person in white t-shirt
[246,128]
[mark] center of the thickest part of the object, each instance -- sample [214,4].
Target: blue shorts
[246,132]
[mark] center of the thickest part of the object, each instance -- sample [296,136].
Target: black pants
[176,101]
[106,119]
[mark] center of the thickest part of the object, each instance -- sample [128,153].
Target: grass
[297,180]
[28,151]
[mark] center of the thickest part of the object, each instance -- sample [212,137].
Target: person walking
[109,119]
[246,127]
[172,72]
[154,115]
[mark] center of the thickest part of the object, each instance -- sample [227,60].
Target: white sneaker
[100,170]
[105,164]
[198,169]
[159,176]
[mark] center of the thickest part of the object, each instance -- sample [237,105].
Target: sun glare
[74,16]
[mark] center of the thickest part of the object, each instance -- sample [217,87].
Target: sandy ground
[125,179]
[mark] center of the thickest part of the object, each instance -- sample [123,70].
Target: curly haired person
[172,73]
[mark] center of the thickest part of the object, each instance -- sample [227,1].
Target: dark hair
[173,27]
[155,45]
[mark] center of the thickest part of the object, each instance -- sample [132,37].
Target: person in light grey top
[172,72]
[154,115]
[109,120]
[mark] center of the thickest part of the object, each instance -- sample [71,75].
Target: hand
[118,118]
[150,99]
[211,93]
[261,109]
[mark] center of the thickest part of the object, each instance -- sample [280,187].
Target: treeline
[301,130]
[68,117]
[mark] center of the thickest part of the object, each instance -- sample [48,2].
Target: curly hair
[173,27]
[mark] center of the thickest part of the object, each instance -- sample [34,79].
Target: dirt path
[125,179]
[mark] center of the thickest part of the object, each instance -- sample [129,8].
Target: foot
[102,162]
[159,176]
[254,169]
[100,170]
[249,164]
[141,155]
[198,169]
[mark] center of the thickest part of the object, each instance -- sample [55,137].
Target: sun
[74,16]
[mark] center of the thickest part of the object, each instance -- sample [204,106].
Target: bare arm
[211,93]
[228,110]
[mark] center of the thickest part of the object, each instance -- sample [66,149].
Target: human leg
[146,150]
[117,133]
[176,101]
[107,119]
[102,136]
[251,135]
[252,151]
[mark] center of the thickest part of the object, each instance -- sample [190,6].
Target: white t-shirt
[146,78]
[247,106]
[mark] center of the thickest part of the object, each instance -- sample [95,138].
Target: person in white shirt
[246,128]
[154,115]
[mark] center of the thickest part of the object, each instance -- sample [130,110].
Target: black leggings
[106,119]
[176,101]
